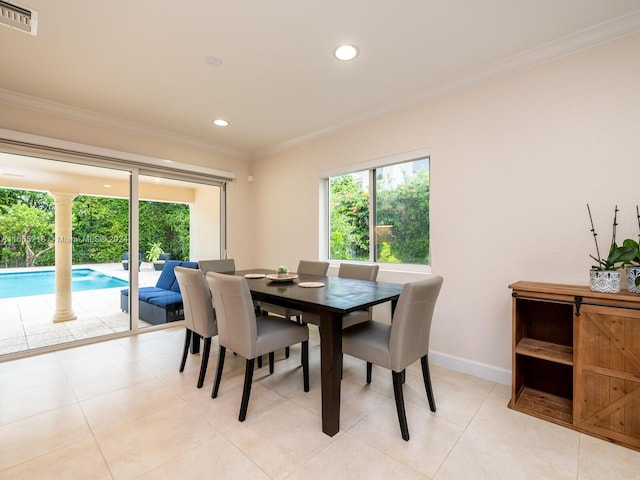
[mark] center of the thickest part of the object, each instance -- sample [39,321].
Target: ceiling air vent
[18,17]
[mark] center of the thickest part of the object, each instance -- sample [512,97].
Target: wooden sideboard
[576,359]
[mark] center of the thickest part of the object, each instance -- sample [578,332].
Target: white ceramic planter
[633,273]
[605,281]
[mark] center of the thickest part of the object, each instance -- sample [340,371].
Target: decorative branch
[638,215]
[615,225]
[593,230]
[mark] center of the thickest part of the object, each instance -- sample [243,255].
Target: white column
[64,248]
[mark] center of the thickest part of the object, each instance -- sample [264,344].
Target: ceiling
[143,64]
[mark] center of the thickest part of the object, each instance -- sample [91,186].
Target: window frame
[370,166]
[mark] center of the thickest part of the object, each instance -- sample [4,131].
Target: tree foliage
[402,215]
[26,232]
[349,219]
[405,207]
[167,223]
[100,228]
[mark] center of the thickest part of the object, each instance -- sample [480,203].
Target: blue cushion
[175,287]
[166,293]
[167,277]
[171,300]
[147,293]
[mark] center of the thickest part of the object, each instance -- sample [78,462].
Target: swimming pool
[23,284]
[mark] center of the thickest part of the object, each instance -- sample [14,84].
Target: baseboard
[482,370]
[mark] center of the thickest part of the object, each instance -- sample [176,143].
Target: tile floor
[119,409]
[26,321]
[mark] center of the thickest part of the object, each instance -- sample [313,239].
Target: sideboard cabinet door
[607,373]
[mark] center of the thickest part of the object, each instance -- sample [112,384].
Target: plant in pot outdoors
[605,274]
[155,249]
[633,266]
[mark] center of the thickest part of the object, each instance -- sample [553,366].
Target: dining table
[330,298]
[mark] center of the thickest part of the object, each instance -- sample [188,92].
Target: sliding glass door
[67,265]
[178,221]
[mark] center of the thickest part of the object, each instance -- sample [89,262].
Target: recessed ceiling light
[346,52]
[106,185]
[219,122]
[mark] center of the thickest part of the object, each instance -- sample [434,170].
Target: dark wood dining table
[336,298]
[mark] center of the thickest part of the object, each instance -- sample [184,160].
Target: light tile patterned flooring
[119,409]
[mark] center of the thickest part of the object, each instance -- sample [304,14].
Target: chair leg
[216,384]
[369,369]
[402,415]
[187,341]
[286,352]
[305,364]
[427,382]
[260,361]
[272,359]
[246,391]
[205,361]
[195,343]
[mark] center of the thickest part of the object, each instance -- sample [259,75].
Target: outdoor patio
[26,322]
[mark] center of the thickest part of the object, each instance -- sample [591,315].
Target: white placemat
[311,284]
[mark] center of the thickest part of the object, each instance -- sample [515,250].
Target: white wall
[205,224]
[513,163]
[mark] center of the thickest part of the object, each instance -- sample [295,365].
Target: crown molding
[587,38]
[40,105]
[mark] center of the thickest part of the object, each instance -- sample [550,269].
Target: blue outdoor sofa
[162,303]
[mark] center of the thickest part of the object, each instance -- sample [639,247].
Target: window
[381,214]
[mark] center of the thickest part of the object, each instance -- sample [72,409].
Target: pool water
[23,284]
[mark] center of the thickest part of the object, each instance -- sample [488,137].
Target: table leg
[330,360]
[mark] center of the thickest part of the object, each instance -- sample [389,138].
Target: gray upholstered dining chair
[247,336]
[225,265]
[360,272]
[398,345]
[228,265]
[199,314]
[357,271]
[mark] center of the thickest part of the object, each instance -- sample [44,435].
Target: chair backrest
[358,271]
[219,266]
[310,267]
[199,314]
[237,329]
[411,324]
